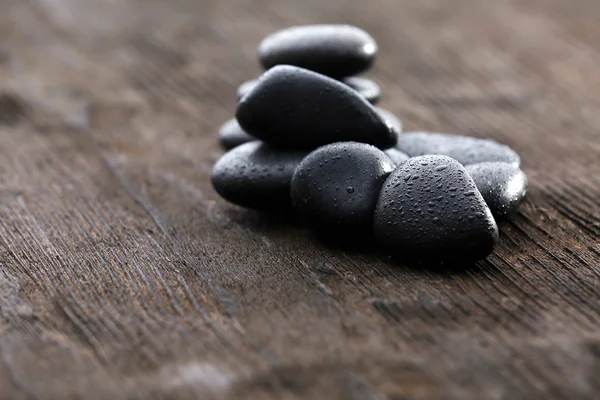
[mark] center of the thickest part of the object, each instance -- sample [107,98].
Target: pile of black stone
[308,137]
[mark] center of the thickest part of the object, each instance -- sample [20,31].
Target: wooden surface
[124,276]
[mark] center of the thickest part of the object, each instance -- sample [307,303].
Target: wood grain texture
[124,276]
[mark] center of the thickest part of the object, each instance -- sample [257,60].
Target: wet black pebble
[466,150]
[296,108]
[255,175]
[502,185]
[391,119]
[366,87]
[231,135]
[396,156]
[336,186]
[430,210]
[334,50]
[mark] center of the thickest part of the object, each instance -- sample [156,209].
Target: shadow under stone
[280,220]
[351,242]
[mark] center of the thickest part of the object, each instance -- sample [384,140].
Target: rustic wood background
[124,276]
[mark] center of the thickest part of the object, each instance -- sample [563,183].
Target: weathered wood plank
[123,275]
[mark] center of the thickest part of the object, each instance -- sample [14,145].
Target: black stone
[296,108]
[396,156]
[246,88]
[231,135]
[336,186]
[334,50]
[366,87]
[255,175]
[430,210]
[503,186]
[466,150]
[391,119]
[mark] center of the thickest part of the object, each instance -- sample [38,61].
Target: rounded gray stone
[465,149]
[396,156]
[391,119]
[232,135]
[429,209]
[336,186]
[256,175]
[334,50]
[502,185]
[295,108]
[366,87]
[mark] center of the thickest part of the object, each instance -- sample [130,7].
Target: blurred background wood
[124,276]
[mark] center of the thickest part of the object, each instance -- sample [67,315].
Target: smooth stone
[465,149]
[366,87]
[503,186]
[256,175]
[296,108]
[430,210]
[334,50]
[390,118]
[336,186]
[232,135]
[246,88]
[396,156]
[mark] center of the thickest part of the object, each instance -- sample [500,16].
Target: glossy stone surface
[396,156]
[430,210]
[502,185]
[337,186]
[255,175]
[366,87]
[296,108]
[334,50]
[391,119]
[466,150]
[232,135]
